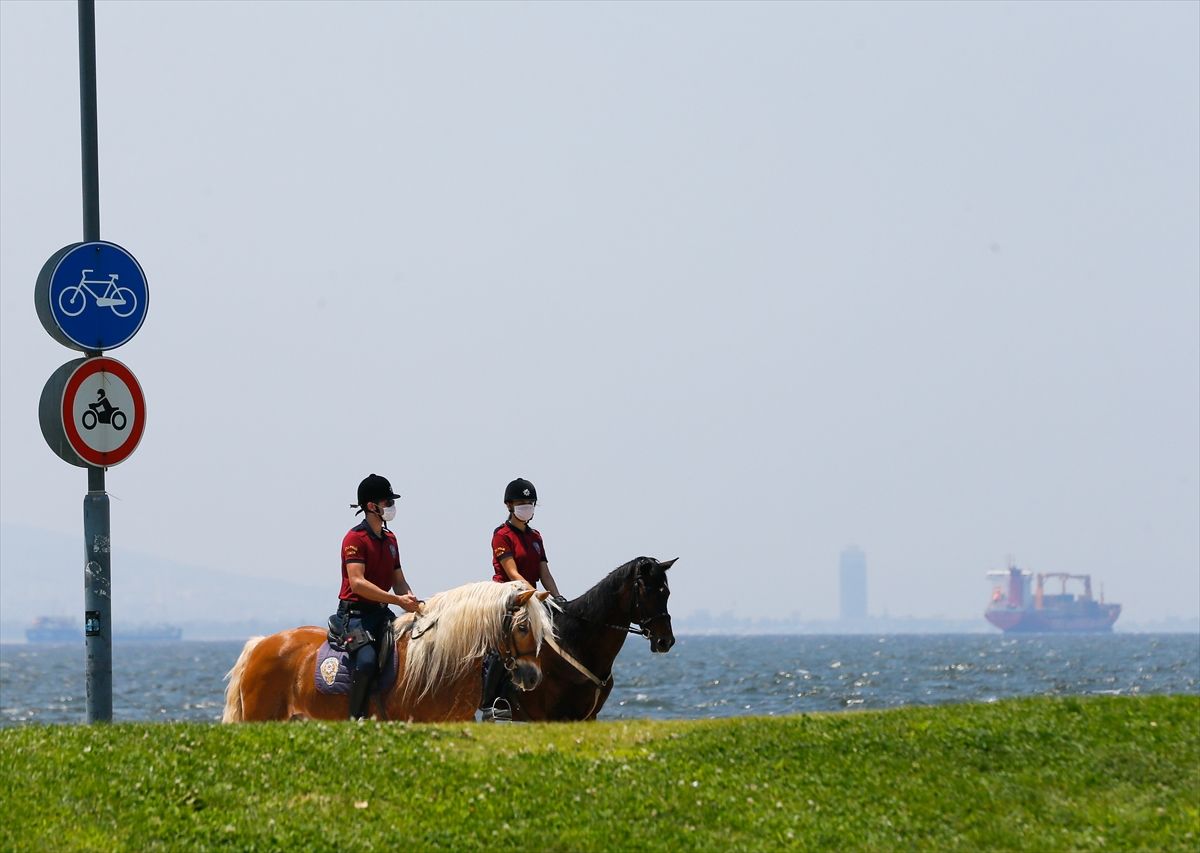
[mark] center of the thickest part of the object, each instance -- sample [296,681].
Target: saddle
[332,674]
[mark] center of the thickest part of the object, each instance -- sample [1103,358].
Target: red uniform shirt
[380,554]
[524,546]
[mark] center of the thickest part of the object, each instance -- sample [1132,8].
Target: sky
[743,284]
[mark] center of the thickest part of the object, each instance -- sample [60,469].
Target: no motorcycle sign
[92,412]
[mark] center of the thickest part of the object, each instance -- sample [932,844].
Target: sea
[701,677]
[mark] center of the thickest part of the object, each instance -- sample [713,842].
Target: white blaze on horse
[438,654]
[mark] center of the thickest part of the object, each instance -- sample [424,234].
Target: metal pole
[87,120]
[97,602]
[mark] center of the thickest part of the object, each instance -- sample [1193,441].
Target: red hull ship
[1020,604]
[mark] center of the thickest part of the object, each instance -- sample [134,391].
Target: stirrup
[500,712]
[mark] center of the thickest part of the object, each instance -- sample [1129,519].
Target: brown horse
[439,650]
[590,631]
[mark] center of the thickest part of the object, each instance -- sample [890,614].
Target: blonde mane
[456,628]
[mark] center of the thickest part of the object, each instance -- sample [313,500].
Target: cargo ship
[1020,604]
[54,629]
[63,629]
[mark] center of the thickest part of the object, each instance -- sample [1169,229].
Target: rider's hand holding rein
[376,514]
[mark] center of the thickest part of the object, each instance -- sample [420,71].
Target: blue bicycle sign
[92,296]
[114,296]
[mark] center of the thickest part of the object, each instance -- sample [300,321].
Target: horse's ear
[523,597]
[668,563]
[543,595]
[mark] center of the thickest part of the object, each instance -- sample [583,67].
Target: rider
[518,554]
[370,564]
[102,404]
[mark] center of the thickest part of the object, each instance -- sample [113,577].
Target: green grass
[1036,774]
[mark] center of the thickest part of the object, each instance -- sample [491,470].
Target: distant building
[853,577]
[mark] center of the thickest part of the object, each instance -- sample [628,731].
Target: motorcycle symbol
[103,412]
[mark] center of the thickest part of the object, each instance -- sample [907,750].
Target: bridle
[639,590]
[508,649]
[635,604]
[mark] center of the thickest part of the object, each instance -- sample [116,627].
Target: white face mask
[523,512]
[387,513]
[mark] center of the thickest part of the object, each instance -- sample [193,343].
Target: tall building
[853,577]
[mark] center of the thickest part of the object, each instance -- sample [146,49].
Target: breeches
[374,623]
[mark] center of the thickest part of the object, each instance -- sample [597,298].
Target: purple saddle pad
[333,671]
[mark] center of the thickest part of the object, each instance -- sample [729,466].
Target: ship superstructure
[1020,603]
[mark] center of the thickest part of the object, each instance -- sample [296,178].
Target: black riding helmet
[374,489]
[520,490]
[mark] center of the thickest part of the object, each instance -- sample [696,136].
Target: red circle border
[92,366]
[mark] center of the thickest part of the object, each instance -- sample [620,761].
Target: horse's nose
[527,676]
[662,645]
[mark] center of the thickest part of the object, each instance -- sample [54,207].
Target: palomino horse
[591,629]
[440,651]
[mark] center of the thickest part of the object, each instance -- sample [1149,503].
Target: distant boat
[63,629]
[54,629]
[1020,604]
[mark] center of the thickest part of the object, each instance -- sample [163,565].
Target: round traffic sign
[91,296]
[92,412]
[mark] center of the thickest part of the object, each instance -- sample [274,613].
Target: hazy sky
[740,284]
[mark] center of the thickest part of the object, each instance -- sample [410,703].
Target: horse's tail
[233,693]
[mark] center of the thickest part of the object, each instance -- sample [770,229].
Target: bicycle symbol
[104,412]
[114,296]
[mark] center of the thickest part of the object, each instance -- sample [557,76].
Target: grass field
[1036,774]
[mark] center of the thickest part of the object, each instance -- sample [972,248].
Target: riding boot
[360,682]
[493,673]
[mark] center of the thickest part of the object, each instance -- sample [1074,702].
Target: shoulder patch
[499,551]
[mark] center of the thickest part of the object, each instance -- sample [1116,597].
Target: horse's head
[525,626]
[649,606]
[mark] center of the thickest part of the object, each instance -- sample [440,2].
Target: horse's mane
[458,627]
[593,605]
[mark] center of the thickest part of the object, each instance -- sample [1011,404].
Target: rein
[509,644]
[641,630]
[562,653]
[583,669]
[424,630]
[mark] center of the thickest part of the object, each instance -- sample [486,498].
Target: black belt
[346,606]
